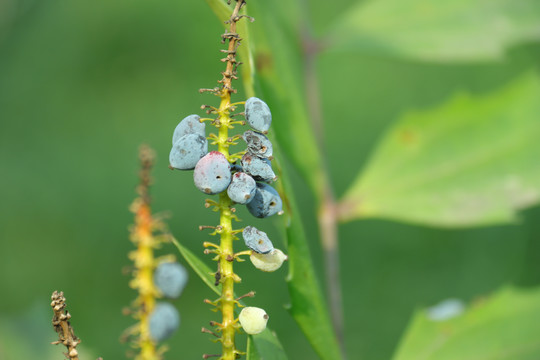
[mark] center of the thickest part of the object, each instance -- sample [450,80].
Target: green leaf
[200,268]
[457,30]
[308,307]
[266,343]
[502,327]
[251,351]
[472,161]
[280,69]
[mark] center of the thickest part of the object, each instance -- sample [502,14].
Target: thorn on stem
[249,294]
[207,356]
[205,330]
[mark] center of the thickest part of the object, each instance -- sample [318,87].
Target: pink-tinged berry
[212,173]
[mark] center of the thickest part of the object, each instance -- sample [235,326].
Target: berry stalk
[226,251]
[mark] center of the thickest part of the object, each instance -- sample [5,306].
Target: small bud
[268,262]
[253,320]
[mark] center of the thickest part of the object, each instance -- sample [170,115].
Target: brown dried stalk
[62,326]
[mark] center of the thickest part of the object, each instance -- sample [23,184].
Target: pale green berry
[253,320]
[268,262]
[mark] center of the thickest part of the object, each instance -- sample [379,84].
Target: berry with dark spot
[258,144]
[164,320]
[242,188]
[257,240]
[259,168]
[266,201]
[253,320]
[212,173]
[189,125]
[187,151]
[170,278]
[258,114]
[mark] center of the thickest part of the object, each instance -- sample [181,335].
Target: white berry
[253,320]
[268,262]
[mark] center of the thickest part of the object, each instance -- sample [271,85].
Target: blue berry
[258,114]
[187,151]
[212,173]
[257,240]
[170,278]
[242,188]
[266,201]
[258,144]
[189,125]
[236,167]
[258,168]
[164,320]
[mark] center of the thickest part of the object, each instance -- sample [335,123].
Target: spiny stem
[226,275]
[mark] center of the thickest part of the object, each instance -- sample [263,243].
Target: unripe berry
[258,144]
[266,201]
[170,278]
[164,321]
[268,262]
[189,125]
[259,168]
[212,173]
[242,188]
[258,114]
[253,320]
[187,151]
[257,240]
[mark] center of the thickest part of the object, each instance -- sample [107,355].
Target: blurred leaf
[223,13]
[458,30]
[280,77]
[266,342]
[308,307]
[503,327]
[472,161]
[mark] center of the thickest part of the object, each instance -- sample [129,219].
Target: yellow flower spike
[142,235]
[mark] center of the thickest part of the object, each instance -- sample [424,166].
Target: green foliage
[280,78]
[307,303]
[200,268]
[472,161]
[503,326]
[75,104]
[266,343]
[458,30]
[265,346]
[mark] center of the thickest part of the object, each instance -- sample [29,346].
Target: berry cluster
[246,182]
[242,178]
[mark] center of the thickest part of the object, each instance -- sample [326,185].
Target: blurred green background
[83,84]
